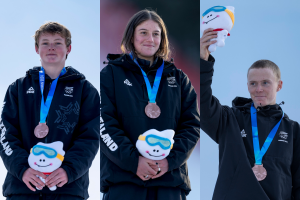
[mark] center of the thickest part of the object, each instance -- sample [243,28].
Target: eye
[153,150]
[207,16]
[44,160]
[40,160]
[265,82]
[157,151]
[210,14]
[45,43]
[58,43]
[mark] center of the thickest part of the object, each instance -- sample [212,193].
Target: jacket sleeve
[114,143]
[295,168]
[13,154]
[80,156]
[213,114]
[187,133]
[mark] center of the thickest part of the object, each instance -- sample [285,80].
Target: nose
[259,88]
[51,46]
[150,38]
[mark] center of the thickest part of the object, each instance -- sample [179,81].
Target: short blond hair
[266,64]
[53,28]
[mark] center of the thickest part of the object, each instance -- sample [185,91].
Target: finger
[61,184]
[57,181]
[151,171]
[51,176]
[53,180]
[159,174]
[205,39]
[41,174]
[208,30]
[29,186]
[37,180]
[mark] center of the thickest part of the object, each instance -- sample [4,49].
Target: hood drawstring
[258,109]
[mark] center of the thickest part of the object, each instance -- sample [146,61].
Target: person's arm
[78,159]
[13,154]
[187,133]
[114,142]
[295,168]
[213,115]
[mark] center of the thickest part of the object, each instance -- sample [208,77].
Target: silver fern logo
[127,82]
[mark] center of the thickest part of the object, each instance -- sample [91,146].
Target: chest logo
[127,82]
[283,137]
[171,81]
[243,133]
[69,91]
[30,90]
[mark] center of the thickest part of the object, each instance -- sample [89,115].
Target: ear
[231,8]
[69,49]
[279,87]
[36,49]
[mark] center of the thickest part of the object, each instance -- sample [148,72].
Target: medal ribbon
[45,106]
[152,92]
[260,153]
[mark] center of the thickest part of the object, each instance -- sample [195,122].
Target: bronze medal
[41,130]
[260,172]
[152,110]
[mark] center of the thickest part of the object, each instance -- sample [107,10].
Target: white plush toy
[221,19]
[46,158]
[155,145]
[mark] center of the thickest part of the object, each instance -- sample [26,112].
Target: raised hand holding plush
[155,145]
[46,158]
[221,19]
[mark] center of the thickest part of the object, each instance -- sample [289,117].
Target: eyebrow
[147,30]
[47,39]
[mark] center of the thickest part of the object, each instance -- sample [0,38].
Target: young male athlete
[259,145]
[51,103]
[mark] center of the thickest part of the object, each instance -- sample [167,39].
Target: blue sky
[262,30]
[20,19]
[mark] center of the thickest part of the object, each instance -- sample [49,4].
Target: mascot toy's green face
[154,144]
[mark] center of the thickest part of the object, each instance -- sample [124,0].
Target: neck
[151,59]
[53,71]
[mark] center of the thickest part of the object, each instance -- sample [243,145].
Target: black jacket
[231,129]
[73,118]
[123,100]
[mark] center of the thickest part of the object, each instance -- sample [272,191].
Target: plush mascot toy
[46,158]
[155,145]
[221,19]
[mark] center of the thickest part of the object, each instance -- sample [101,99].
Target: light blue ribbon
[260,153]
[45,106]
[152,92]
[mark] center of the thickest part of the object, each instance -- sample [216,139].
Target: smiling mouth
[42,166]
[210,20]
[154,156]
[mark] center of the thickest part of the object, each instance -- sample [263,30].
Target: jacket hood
[124,60]
[244,105]
[71,74]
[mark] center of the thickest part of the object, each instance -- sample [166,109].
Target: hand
[163,165]
[59,177]
[144,169]
[205,42]
[29,176]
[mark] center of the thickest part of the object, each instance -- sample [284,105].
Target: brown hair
[266,64]
[138,18]
[53,28]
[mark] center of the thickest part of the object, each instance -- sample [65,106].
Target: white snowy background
[263,30]
[18,22]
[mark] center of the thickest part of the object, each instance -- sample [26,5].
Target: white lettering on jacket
[106,137]
[8,151]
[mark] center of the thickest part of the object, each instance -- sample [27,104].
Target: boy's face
[263,86]
[52,49]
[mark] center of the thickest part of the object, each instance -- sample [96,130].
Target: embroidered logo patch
[283,136]
[30,90]
[243,133]
[69,91]
[127,82]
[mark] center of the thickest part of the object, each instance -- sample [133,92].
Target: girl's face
[146,39]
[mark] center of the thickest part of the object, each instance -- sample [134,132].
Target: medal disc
[41,130]
[260,172]
[152,110]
